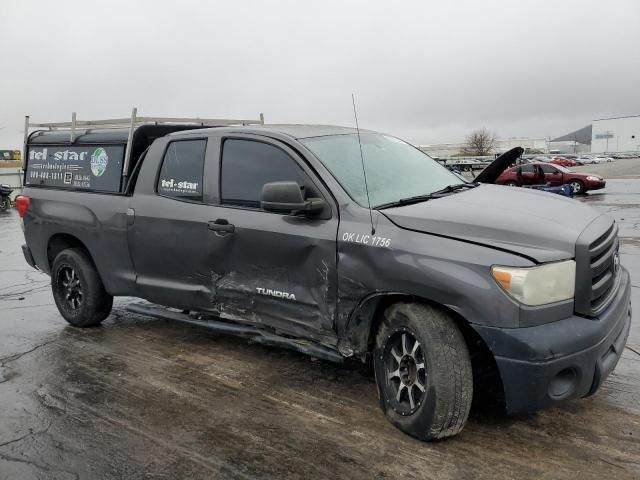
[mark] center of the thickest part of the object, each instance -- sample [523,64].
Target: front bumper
[570,358]
[595,185]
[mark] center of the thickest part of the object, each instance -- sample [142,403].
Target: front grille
[604,268]
[597,267]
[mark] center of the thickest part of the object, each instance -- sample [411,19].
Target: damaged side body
[275,271]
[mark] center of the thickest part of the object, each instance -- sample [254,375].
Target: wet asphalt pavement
[146,398]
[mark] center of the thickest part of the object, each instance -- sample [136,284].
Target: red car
[545,173]
[564,162]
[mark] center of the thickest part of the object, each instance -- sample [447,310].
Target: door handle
[131,216]
[221,225]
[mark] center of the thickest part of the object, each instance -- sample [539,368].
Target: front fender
[423,267]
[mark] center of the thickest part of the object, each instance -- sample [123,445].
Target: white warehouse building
[619,134]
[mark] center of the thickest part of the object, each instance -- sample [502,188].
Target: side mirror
[288,198]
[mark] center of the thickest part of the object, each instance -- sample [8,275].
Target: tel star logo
[99,161]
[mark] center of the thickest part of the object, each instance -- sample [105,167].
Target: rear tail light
[22,204]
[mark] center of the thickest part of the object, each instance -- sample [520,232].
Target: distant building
[618,134]
[8,155]
[574,142]
[502,145]
[529,144]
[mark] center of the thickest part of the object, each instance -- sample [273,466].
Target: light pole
[608,134]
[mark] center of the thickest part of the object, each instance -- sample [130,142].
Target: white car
[588,160]
[604,159]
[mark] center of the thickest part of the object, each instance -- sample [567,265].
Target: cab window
[247,165]
[182,170]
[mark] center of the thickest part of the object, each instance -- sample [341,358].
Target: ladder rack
[132,123]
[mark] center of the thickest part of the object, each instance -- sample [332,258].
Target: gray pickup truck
[336,243]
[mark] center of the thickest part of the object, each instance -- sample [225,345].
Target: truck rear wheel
[77,289]
[423,371]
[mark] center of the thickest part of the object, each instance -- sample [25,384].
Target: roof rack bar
[216,121]
[144,120]
[82,123]
[131,122]
[73,126]
[127,154]
[26,140]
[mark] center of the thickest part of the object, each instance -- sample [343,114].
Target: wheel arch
[366,318]
[63,241]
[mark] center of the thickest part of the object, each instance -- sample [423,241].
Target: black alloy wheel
[406,372]
[72,288]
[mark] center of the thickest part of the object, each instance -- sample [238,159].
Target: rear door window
[247,165]
[182,170]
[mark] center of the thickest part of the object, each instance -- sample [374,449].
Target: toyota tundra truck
[337,243]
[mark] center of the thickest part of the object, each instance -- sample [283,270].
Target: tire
[578,187]
[510,183]
[4,204]
[77,289]
[440,365]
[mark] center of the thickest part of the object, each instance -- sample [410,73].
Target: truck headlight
[548,283]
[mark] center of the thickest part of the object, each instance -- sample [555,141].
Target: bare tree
[480,142]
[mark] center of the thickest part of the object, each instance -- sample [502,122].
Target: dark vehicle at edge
[5,199]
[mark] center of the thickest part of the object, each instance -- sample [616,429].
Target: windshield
[395,169]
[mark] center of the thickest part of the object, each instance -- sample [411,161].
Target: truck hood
[534,224]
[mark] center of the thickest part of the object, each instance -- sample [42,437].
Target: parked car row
[618,156]
[590,159]
[573,160]
[462,164]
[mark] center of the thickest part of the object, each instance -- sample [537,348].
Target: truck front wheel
[77,289]
[423,371]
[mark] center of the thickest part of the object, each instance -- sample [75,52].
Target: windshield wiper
[426,197]
[453,188]
[405,201]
